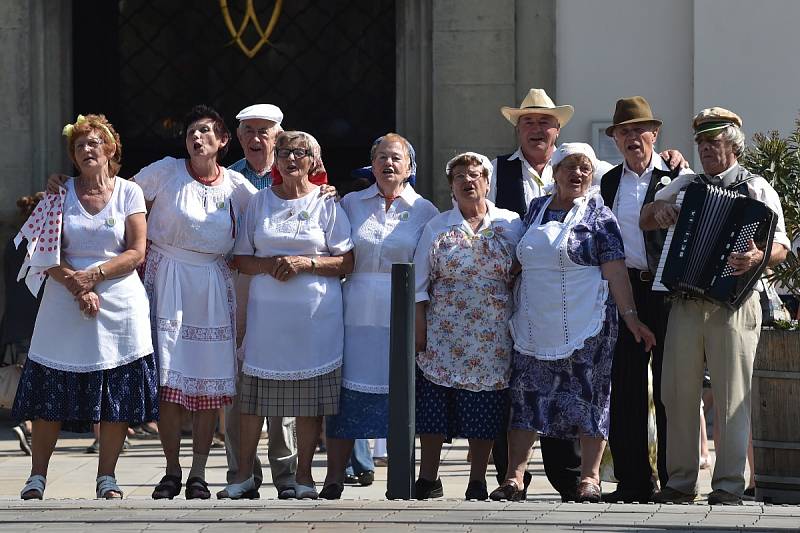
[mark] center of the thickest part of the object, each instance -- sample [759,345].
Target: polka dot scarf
[43,232]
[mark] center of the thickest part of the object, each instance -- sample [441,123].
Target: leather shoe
[425,489]
[723,497]
[476,490]
[628,496]
[332,491]
[588,491]
[508,491]
[670,495]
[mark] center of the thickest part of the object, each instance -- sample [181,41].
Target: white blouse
[189,215]
[381,238]
[294,327]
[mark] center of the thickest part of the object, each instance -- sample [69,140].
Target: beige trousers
[728,339]
[282,445]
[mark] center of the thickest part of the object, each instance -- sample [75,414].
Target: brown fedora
[631,110]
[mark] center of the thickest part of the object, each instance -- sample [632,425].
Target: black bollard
[400,443]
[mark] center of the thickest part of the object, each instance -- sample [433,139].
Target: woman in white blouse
[296,245]
[463,276]
[195,204]
[387,220]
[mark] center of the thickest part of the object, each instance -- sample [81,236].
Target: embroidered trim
[194,333]
[105,365]
[197,386]
[361,387]
[291,376]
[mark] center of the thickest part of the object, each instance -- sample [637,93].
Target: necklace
[208,180]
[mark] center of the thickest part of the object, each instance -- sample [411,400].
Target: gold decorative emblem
[250,16]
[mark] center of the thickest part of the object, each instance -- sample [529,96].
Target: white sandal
[105,485]
[35,483]
[235,491]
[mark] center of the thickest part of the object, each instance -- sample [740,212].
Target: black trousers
[629,400]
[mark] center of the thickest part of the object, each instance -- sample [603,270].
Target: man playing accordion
[699,328]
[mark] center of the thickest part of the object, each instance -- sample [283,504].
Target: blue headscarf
[366,172]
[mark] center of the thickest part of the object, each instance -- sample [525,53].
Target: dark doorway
[329,65]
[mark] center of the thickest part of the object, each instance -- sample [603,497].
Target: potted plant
[776,370]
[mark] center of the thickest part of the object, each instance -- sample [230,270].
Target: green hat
[714,119]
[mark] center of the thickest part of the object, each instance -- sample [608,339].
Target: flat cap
[263,111]
[715,118]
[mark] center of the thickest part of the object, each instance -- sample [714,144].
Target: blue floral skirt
[458,413]
[566,398]
[128,393]
[362,415]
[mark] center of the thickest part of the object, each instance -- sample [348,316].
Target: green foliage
[778,160]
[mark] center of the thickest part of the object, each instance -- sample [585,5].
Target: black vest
[510,193]
[653,240]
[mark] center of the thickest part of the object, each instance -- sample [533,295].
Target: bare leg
[750,463]
[430,455]
[480,448]
[520,442]
[169,431]
[44,435]
[308,429]
[249,434]
[339,451]
[112,437]
[591,454]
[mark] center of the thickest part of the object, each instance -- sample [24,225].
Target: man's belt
[645,276]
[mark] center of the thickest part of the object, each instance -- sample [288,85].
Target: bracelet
[102,274]
[631,311]
[313,265]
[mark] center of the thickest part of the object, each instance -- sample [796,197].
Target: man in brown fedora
[626,188]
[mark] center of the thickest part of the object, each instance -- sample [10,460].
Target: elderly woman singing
[463,277]
[564,326]
[192,225]
[296,244]
[90,357]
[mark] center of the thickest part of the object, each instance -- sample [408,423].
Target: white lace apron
[560,304]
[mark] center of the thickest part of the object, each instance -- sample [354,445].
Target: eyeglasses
[583,169]
[298,153]
[91,143]
[260,132]
[462,176]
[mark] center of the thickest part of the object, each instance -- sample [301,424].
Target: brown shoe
[588,492]
[508,491]
[670,495]
[723,497]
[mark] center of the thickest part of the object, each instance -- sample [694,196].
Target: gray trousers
[282,446]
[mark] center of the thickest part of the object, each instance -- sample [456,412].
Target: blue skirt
[128,393]
[362,415]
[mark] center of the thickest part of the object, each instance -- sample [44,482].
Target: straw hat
[537,101]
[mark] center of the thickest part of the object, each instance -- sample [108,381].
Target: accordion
[712,223]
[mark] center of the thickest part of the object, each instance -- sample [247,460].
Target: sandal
[167,488]
[106,487]
[508,491]
[197,489]
[34,488]
[588,491]
[305,492]
[246,490]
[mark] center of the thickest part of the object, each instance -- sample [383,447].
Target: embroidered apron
[560,304]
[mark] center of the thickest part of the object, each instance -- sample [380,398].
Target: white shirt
[294,327]
[189,215]
[758,189]
[508,220]
[628,205]
[383,237]
[535,185]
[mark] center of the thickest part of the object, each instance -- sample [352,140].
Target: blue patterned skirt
[362,415]
[128,393]
[568,397]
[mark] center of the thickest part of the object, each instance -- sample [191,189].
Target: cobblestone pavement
[72,475]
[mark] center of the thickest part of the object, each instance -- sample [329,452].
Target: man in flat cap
[699,329]
[626,188]
[259,127]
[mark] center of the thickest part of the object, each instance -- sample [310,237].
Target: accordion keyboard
[657,285]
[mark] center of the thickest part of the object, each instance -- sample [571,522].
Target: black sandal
[197,489]
[508,491]
[167,488]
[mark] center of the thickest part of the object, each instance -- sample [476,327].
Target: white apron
[367,309]
[560,304]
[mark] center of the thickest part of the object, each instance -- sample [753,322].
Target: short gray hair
[731,133]
[286,137]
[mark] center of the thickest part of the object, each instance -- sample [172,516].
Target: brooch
[487,233]
[220,205]
[110,222]
[303,215]
[403,216]
[665,180]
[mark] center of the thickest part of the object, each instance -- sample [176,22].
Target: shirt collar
[654,163]
[731,171]
[455,218]
[251,169]
[408,195]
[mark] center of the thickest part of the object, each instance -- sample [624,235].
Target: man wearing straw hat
[626,188]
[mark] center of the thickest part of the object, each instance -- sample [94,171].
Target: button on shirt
[628,205]
[259,181]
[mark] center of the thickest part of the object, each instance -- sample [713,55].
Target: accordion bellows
[712,223]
